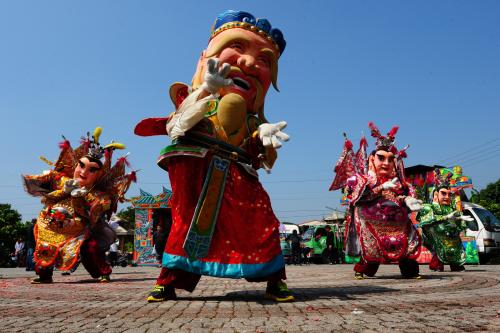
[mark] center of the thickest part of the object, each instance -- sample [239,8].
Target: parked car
[315,240]
[485,229]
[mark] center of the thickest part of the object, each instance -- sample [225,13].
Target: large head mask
[252,48]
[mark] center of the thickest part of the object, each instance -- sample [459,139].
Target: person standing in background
[30,245]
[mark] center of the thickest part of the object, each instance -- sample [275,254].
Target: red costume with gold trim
[222,221]
[70,220]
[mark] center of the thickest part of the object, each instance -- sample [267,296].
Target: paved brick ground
[328,299]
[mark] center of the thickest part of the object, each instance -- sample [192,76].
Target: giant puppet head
[252,48]
[386,161]
[382,160]
[443,193]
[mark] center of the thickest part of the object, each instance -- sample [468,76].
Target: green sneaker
[104,279]
[161,293]
[279,292]
[39,280]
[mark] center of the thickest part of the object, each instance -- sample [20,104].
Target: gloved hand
[466,218]
[70,185]
[215,76]
[79,192]
[453,216]
[270,133]
[413,204]
[390,184]
[351,181]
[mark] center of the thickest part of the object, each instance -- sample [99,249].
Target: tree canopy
[11,228]
[127,215]
[489,198]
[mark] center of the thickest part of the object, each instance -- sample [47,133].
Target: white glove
[453,216]
[413,204]
[193,110]
[466,218]
[190,113]
[390,184]
[79,192]
[270,133]
[215,76]
[70,185]
[351,181]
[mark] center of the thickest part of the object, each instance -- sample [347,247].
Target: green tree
[128,216]
[489,198]
[11,228]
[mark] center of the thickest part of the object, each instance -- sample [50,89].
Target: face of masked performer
[87,172]
[444,196]
[253,60]
[384,165]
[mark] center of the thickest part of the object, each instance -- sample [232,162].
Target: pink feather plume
[375,132]
[64,144]
[393,131]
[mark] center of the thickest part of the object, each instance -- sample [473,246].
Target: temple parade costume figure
[378,228]
[222,221]
[441,225]
[79,195]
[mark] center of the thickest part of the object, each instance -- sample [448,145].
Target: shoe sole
[152,299]
[280,299]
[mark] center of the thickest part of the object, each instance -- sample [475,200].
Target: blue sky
[431,67]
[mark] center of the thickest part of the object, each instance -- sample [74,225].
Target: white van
[288,228]
[485,228]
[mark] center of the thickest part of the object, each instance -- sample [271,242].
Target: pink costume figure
[79,195]
[378,228]
[222,221]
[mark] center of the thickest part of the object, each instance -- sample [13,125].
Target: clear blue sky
[431,67]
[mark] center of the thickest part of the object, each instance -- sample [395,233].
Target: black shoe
[39,280]
[279,292]
[161,293]
[454,268]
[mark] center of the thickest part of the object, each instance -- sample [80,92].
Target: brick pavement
[328,299]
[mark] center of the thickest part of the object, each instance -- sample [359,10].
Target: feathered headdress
[351,163]
[384,142]
[114,180]
[442,181]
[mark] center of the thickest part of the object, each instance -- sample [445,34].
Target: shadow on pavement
[112,280]
[301,294]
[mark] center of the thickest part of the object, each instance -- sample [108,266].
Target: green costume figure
[441,226]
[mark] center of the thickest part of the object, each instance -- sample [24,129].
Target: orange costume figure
[222,221]
[79,195]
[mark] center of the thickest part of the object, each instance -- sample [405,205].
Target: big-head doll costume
[79,194]
[223,224]
[378,228]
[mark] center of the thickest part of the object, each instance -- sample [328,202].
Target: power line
[481,160]
[443,161]
[476,154]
